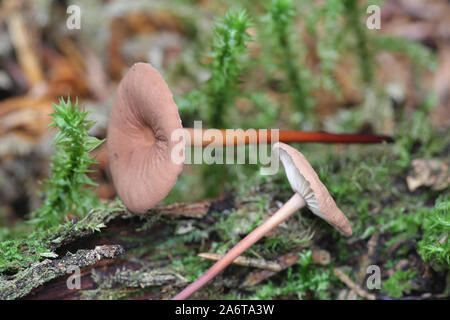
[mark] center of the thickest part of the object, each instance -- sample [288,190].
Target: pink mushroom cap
[304,180]
[139,139]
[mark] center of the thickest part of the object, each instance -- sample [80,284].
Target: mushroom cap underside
[139,140]
[304,180]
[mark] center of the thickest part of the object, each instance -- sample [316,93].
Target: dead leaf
[432,173]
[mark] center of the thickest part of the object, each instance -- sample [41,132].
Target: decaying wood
[139,278]
[115,277]
[193,210]
[110,279]
[41,272]
[96,220]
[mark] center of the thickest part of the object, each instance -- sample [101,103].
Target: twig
[353,286]
[20,36]
[366,259]
[285,261]
[245,262]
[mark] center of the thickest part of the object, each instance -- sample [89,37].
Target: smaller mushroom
[309,192]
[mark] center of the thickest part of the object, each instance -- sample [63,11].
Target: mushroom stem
[295,203]
[235,137]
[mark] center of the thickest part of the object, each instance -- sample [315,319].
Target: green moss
[191,267]
[419,54]
[398,283]
[435,244]
[353,14]
[16,254]
[229,46]
[279,20]
[65,189]
[301,280]
[23,250]
[329,41]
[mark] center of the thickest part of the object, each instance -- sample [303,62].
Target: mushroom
[139,139]
[309,192]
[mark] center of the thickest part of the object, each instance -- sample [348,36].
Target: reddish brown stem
[234,137]
[292,205]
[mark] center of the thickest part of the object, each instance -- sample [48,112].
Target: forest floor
[394,194]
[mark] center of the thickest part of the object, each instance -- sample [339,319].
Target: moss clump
[65,189]
[280,17]
[398,283]
[16,254]
[435,244]
[301,280]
